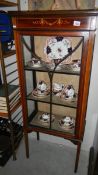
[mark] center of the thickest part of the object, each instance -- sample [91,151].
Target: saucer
[64,97]
[42,94]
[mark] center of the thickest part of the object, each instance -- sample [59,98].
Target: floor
[45,159]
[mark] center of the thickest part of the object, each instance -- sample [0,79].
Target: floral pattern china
[57,48]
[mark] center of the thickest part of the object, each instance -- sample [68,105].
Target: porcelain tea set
[58,89]
[66,122]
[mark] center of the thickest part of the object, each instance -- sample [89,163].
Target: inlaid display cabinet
[54,54]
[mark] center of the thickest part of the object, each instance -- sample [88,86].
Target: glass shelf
[36,122]
[67,69]
[55,100]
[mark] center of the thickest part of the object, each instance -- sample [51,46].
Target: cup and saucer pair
[41,90]
[34,62]
[45,118]
[76,64]
[67,123]
[57,89]
[68,93]
[64,92]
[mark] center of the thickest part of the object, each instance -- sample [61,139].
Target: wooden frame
[55,23]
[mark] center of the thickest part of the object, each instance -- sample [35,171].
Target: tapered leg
[13,148]
[38,136]
[77,156]
[26,144]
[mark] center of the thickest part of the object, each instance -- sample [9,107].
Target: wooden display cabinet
[55,89]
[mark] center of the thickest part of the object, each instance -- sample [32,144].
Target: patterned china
[45,118]
[67,123]
[68,92]
[57,89]
[41,89]
[34,62]
[76,64]
[56,49]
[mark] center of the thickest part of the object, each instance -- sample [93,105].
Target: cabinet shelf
[5,114]
[9,53]
[66,70]
[56,101]
[35,122]
[5,3]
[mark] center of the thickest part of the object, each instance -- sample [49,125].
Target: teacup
[57,87]
[67,121]
[45,116]
[69,92]
[35,61]
[41,87]
[76,64]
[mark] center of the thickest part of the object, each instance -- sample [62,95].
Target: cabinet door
[55,66]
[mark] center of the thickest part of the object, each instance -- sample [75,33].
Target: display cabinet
[54,55]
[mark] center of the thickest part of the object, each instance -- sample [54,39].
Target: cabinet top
[54,20]
[56,13]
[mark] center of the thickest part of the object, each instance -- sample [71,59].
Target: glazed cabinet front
[53,68]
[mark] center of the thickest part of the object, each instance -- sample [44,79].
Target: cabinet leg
[13,150]
[26,144]
[38,136]
[77,157]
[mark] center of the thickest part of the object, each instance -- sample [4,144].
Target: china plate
[57,47]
